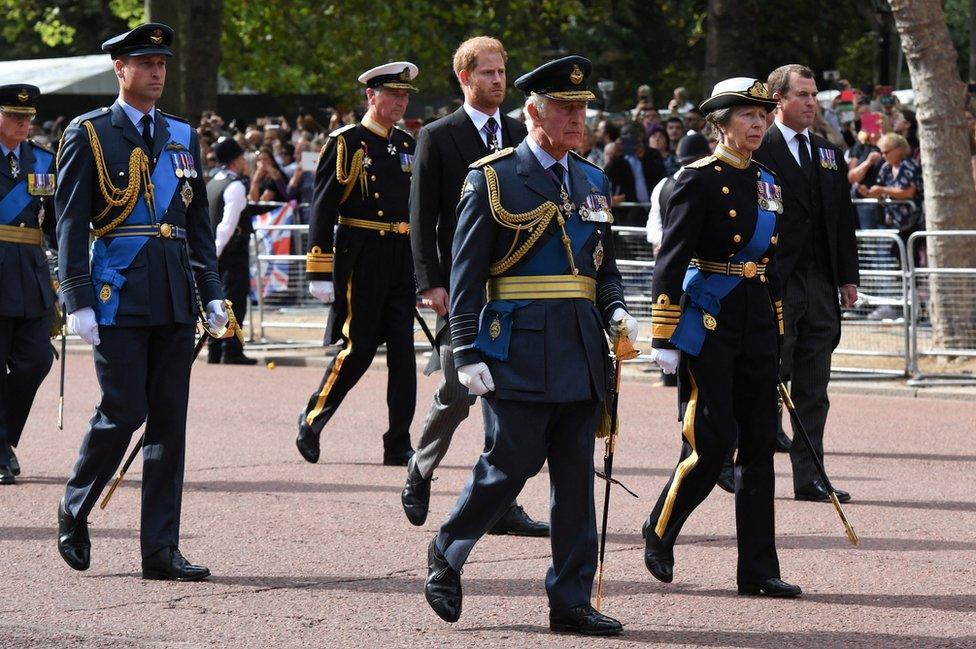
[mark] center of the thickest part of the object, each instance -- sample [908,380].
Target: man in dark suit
[133,177]
[444,151]
[26,184]
[534,225]
[817,257]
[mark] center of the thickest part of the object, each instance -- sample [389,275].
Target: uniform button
[376,195]
[373,178]
[758,174]
[23,225]
[737,238]
[725,190]
[762,278]
[382,233]
[380,213]
[718,168]
[765,260]
[732,213]
[772,239]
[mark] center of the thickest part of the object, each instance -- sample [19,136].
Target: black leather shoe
[515,522]
[659,562]
[774,587]
[397,458]
[783,442]
[415,496]
[13,463]
[816,492]
[168,564]
[443,585]
[726,477]
[307,440]
[73,542]
[239,360]
[583,620]
[7,475]
[213,357]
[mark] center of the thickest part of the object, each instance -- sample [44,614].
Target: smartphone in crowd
[310,160]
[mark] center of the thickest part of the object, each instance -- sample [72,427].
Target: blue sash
[18,198]
[706,292]
[109,257]
[550,259]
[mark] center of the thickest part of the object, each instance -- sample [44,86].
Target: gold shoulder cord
[356,169]
[535,221]
[115,197]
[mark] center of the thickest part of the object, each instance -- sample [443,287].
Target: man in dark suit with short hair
[817,257]
[444,151]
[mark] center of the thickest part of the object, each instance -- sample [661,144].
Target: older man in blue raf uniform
[534,227]
[26,182]
[131,176]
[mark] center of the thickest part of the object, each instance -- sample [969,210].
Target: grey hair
[541,102]
[719,119]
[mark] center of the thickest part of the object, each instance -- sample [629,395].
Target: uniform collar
[374,126]
[479,119]
[7,151]
[135,115]
[731,157]
[544,158]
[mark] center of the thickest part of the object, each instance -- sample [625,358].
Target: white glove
[82,322]
[322,290]
[619,315]
[216,315]
[666,359]
[476,378]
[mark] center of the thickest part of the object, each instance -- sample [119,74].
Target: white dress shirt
[792,143]
[135,116]
[479,120]
[235,200]
[547,161]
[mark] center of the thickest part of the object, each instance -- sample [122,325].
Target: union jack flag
[274,276]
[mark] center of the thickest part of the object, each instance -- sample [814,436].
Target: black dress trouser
[25,359]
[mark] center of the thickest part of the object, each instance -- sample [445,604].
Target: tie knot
[557,171]
[491,125]
[145,121]
[801,138]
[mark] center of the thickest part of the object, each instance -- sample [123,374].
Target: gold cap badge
[23,96]
[157,37]
[758,89]
[576,76]
[405,75]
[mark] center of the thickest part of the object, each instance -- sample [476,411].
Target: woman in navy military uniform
[717,319]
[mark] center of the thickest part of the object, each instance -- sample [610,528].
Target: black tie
[147,131]
[14,165]
[806,164]
[557,172]
[491,128]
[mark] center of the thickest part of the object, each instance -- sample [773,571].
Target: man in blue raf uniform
[132,176]
[363,185]
[26,183]
[534,226]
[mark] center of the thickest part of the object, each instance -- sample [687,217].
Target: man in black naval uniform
[132,176]
[366,272]
[26,183]
[534,227]
[227,196]
[444,151]
[818,259]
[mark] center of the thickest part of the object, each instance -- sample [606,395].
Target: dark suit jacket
[797,219]
[445,148]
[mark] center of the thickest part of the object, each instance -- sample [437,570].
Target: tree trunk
[729,45]
[972,41]
[950,199]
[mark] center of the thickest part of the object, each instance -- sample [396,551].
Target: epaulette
[176,117]
[704,162]
[92,114]
[497,155]
[583,159]
[342,130]
[42,147]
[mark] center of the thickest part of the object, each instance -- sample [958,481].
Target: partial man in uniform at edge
[817,258]
[26,296]
[363,184]
[444,151]
[134,177]
[534,222]
[227,196]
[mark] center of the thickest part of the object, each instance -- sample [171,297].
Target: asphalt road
[322,556]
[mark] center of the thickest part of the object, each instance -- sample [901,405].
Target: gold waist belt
[748,270]
[400,227]
[542,287]
[25,235]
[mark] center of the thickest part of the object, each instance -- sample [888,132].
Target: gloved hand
[322,290]
[619,315]
[216,315]
[476,378]
[666,359]
[82,322]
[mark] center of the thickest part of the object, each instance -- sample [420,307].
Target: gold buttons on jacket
[379,213]
[732,213]
[765,260]
[772,239]
[382,233]
[376,195]
[373,178]
[717,168]
[726,190]
[737,238]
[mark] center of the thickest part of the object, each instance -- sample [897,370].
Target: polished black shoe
[816,492]
[7,475]
[307,440]
[783,442]
[397,458]
[583,620]
[213,358]
[239,360]
[774,587]
[415,496]
[169,564]
[443,585]
[73,542]
[726,477]
[659,562]
[515,522]
[12,462]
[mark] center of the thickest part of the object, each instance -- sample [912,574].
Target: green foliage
[33,29]
[957,14]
